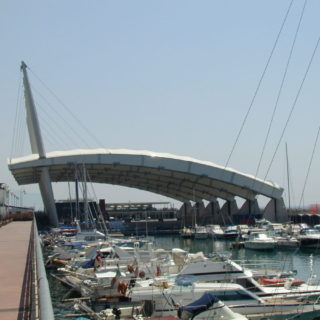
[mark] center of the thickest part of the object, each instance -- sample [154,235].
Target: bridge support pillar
[248,212]
[275,211]
[47,197]
[229,208]
[200,213]
[187,214]
[212,212]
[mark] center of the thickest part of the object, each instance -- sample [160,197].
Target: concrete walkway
[14,243]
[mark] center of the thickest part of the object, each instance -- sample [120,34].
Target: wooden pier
[15,275]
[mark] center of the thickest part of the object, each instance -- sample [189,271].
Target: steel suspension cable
[50,133]
[45,115]
[62,118]
[293,106]
[308,171]
[65,106]
[280,89]
[259,83]
[21,128]
[13,140]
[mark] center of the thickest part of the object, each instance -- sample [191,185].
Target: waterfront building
[4,200]
[141,218]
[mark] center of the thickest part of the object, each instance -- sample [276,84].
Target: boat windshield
[232,295]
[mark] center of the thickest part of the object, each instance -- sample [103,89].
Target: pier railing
[41,304]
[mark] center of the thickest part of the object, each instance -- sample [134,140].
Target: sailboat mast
[288,179]
[85,197]
[77,193]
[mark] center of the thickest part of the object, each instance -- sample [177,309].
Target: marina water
[304,262]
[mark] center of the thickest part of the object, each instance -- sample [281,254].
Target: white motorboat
[226,270]
[214,271]
[260,241]
[83,238]
[166,301]
[215,231]
[231,232]
[287,242]
[309,238]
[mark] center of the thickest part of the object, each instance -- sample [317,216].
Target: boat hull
[202,236]
[254,245]
[305,312]
[230,236]
[310,243]
[283,244]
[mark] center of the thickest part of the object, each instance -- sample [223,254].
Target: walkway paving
[14,243]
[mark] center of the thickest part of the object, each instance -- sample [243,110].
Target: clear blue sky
[166,76]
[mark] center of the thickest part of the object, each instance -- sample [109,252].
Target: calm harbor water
[304,262]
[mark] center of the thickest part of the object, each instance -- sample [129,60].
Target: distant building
[67,211]
[4,200]
[130,218]
[141,218]
[136,211]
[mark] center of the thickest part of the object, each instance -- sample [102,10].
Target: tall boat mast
[38,148]
[288,179]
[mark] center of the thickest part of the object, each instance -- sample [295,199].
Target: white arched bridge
[181,178]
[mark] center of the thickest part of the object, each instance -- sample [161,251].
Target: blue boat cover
[76,244]
[88,264]
[200,305]
[67,228]
[79,244]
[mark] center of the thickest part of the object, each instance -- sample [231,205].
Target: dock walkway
[14,246]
